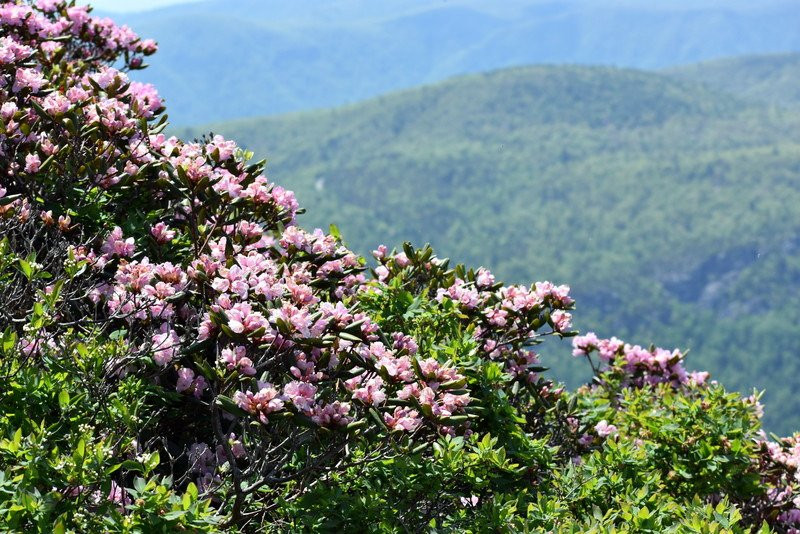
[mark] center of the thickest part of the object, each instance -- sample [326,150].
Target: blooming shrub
[180,354]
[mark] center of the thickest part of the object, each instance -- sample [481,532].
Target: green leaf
[191,490]
[409,250]
[26,268]
[349,337]
[152,461]
[9,339]
[80,452]
[175,514]
[130,465]
[63,399]
[227,404]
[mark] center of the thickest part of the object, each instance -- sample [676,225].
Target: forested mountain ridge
[223,60]
[770,78]
[669,208]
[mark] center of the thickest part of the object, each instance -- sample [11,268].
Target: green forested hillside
[671,210]
[771,78]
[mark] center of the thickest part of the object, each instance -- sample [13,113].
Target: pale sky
[131,5]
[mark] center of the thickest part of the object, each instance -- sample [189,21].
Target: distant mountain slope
[222,59]
[672,210]
[769,78]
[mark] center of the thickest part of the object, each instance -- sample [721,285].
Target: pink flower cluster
[53,59]
[508,318]
[261,403]
[404,419]
[235,359]
[188,382]
[780,468]
[639,366]
[142,290]
[165,345]
[464,294]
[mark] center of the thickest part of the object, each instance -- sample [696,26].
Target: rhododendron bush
[178,353]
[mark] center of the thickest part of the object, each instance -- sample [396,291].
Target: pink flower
[56,104]
[484,278]
[78,14]
[470,501]
[236,359]
[107,76]
[225,148]
[301,394]
[243,320]
[562,321]
[372,392]
[461,293]
[32,163]
[295,237]
[608,348]
[31,346]
[117,494]
[162,233]
[299,320]
[237,448]
[603,429]
[286,200]
[7,110]
[185,379]
[404,342]
[496,317]
[382,272]
[146,99]
[381,252]
[558,294]
[262,403]
[433,370]
[583,345]
[12,51]
[200,385]
[402,419]
[206,328]
[47,5]
[402,260]
[77,94]
[28,79]
[334,414]
[698,378]
[338,314]
[165,345]
[115,244]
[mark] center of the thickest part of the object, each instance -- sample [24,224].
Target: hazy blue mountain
[223,59]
